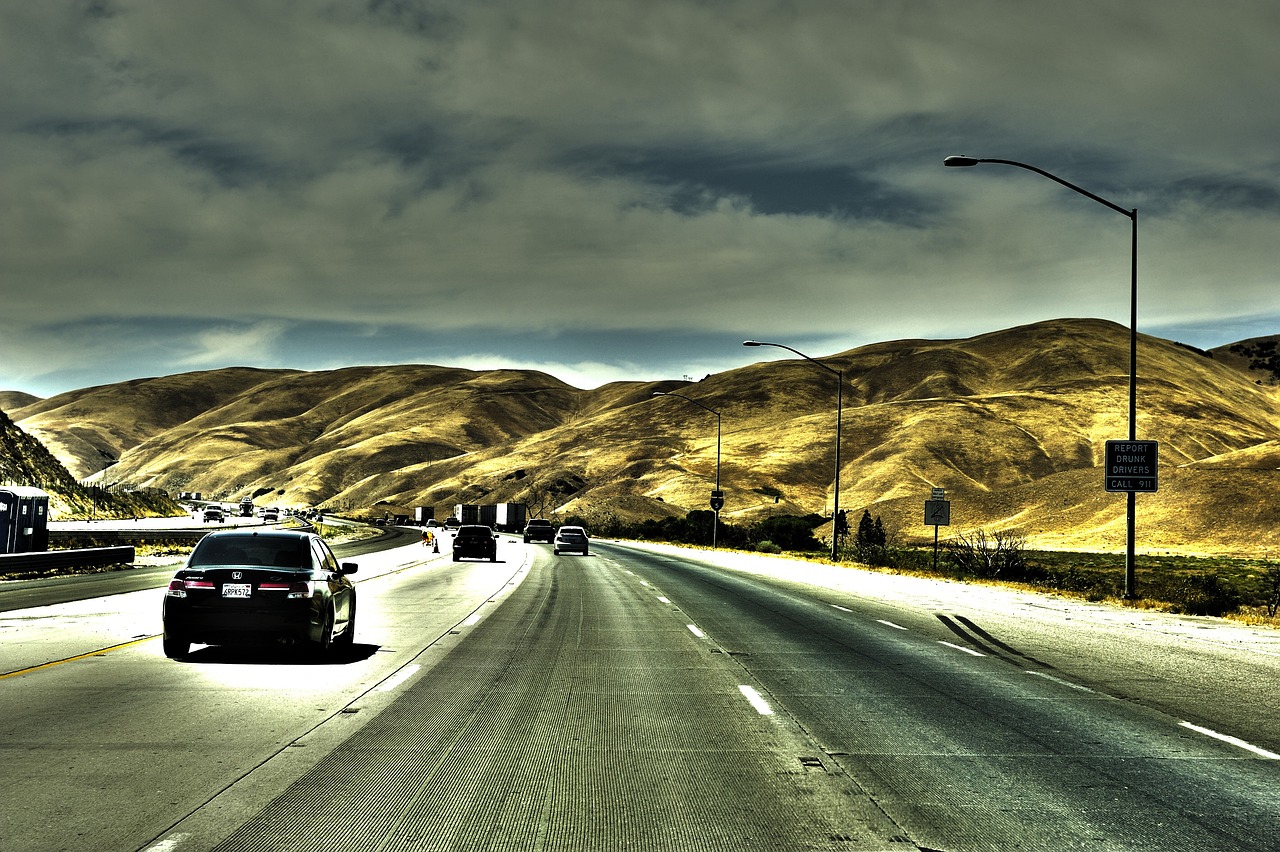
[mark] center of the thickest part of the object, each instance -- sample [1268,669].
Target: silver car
[570,540]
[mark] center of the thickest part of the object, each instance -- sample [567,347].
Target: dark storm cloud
[695,181]
[596,187]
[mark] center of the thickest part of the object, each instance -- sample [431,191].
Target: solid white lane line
[963,648]
[1060,681]
[1235,741]
[756,700]
[399,678]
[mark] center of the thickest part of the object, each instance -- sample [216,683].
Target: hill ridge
[1010,422]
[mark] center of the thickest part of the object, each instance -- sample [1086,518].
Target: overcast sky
[609,189]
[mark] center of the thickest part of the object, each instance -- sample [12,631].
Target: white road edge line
[891,624]
[962,648]
[1235,741]
[756,700]
[693,628]
[399,678]
[1059,680]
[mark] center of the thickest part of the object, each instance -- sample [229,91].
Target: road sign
[717,500]
[1132,465]
[937,513]
[938,494]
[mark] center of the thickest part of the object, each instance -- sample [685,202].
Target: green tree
[866,529]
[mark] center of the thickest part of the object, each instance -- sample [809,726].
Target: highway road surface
[650,698]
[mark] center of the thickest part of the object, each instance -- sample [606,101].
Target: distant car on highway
[214,515]
[260,588]
[539,529]
[475,541]
[570,540]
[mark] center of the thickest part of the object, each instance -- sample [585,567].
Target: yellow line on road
[97,653]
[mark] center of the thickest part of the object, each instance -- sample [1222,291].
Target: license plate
[236,590]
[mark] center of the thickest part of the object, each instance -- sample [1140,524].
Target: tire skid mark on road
[960,631]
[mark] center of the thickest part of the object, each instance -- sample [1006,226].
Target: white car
[570,539]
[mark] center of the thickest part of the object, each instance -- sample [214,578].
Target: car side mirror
[349,568]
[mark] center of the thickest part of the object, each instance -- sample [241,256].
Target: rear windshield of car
[257,550]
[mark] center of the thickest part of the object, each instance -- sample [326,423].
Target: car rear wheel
[324,646]
[348,637]
[175,647]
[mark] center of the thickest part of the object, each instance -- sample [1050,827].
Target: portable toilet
[24,519]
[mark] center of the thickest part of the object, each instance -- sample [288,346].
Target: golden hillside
[1012,424]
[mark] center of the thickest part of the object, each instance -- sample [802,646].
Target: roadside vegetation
[1241,588]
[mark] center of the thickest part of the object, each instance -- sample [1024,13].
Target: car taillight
[178,586]
[298,589]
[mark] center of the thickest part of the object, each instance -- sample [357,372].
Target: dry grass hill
[1012,424]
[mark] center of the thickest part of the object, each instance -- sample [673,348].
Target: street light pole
[1131,503]
[839,374]
[715,524]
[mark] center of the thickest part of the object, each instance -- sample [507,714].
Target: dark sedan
[254,588]
[475,541]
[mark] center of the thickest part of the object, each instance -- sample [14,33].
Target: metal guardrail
[12,563]
[113,546]
[122,536]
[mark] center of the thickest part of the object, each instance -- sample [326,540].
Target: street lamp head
[752,343]
[959,160]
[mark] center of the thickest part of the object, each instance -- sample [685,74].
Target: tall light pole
[1131,503]
[717,496]
[839,374]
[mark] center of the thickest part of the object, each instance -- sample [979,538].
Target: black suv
[538,529]
[475,541]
